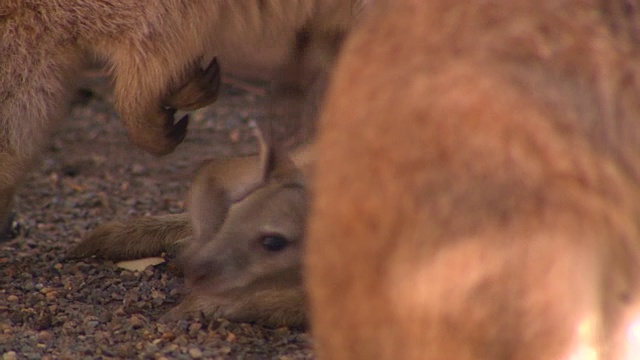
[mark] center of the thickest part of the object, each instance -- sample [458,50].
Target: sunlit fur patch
[627,349]
[442,282]
[631,347]
[446,287]
[585,348]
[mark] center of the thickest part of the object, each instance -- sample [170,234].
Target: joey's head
[244,260]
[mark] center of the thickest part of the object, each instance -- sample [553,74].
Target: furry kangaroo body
[153,50]
[240,244]
[477,184]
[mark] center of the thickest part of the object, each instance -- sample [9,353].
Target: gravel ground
[54,308]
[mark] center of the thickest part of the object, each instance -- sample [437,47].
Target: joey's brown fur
[154,50]
[234,205]
[477,188]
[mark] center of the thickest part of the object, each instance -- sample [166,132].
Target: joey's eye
[274,243]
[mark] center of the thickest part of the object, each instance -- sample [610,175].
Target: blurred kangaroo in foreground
[153,50]
[240,246]
[477,184]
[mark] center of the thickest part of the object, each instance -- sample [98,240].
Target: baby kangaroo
[476,192]
[240,245]
[153,50]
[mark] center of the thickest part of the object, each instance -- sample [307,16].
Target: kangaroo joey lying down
[240,244]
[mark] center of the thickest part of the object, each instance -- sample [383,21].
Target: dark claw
[11,229]
[212,73]
[179,129]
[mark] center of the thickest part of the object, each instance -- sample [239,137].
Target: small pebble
[92,323]
[231,337]
[137,321]
[168,336]
[138,169]
[196,326]
[45,335]
[9,355]
[195,353]
[51,295]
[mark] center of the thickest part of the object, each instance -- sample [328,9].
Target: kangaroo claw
[178,131]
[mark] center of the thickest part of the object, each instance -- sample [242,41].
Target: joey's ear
[275,163]
[209,204]
[221,182]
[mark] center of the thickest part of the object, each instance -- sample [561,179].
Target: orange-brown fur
[477,191]
[152,48]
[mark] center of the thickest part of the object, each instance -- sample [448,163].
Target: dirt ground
[55,308]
